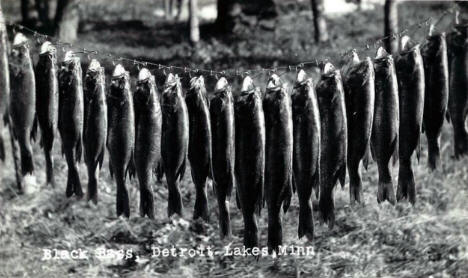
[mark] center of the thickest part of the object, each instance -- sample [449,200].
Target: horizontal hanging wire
[230,72]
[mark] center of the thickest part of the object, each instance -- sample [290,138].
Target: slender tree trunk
[67,19]
[193,22]
[320,25]
[391,25]
[25,11]
[228,13]
[42,8]
[181,5]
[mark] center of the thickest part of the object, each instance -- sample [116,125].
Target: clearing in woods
[368,240]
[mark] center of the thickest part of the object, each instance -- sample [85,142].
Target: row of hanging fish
[267,146]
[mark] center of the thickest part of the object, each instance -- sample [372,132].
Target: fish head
[47,48]
[197,87]
[302,82]
[95,72]
[353,61]
[171,92]
[247,85]
[20,48]
[274,83]
[120,81]
[222,87]
[71,62]
[383,59]
[145,86]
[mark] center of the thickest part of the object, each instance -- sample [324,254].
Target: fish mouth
[274,83]
[221,85]
[247,84]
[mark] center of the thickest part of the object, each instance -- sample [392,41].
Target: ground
[369,240]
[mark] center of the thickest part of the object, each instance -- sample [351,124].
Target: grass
[370,240]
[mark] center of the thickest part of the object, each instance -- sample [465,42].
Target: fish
[458,87]
[411,90]
[306,151]
[436,75]
[385,128]
[148,122]
[359,86]
[95,125]
[175,140]
[121,134]
[249,165]
[334,138]
[47,102]
[199,148]
[223,150]
[22,100]
[278,156]
[4,83]
[71,118]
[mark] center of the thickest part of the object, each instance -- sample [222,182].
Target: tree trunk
[193,22]
[320,25]
[67,20]
[42,8]
[25,11]
[391,25]
[266,9]
[228,13]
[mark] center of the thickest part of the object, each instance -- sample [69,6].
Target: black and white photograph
[233,138]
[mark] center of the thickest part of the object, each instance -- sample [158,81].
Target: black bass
[95,125]
[175,140]
[358,81]
[436,95]
[71,118]
[199,149]
[278,159]
[411,89]
[47,102]
[223,150]
[384,137]
[457,42]
[249,157]
[334,139]
[148,121]
[22,99]
[306,155]
[121,134]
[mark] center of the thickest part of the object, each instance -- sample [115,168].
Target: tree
[25,11]
[320,25]
[42,8]
[193,22]
[228,13]
[67,19]
[391,25]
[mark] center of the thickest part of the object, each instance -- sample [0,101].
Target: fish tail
[49,168]
[2,149]
[355,184]
[123,205]
[367,159]
[174,202]
[275,230]
[201,204]
[250,231]
[433,153]
[327,208]
[306,222]
[406,185]
[146,198]
[27,163]
[224,217]
[73,182]
[93,183]
[385,191]
[460,140]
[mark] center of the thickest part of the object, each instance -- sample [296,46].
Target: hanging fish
[436,93]
[334,139]
[22,99]
[384,137]
[358,81]
[175,140]
[223,150]
[95,125]
[47,102]
[306,153]
[249,157]
[71,119]
[278,160]
[199,148]
[4,82]
[458,96]
[121,134]
[411,88]
[148,121]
